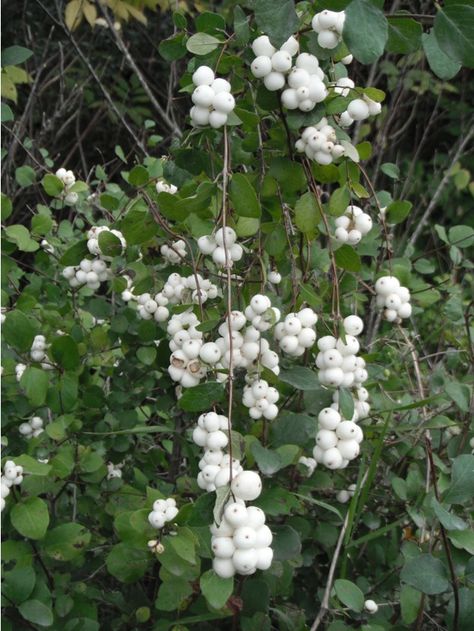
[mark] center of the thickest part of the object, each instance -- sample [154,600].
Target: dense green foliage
[109,104]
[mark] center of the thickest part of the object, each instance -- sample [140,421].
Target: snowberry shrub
[208,356]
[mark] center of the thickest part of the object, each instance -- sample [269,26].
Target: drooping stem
[228,273]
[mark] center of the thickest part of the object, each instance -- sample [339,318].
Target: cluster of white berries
[186,342]
[68,179]
[241,543]
[393,298]
[358,109]
[31,428]
[215,467]
[297,332]
[304,81]
[319,143]
[89,272]
[270,64]
[93,240]
[148,307]
[12,475]
[337,358]
[352,225]
[212,99]
[164,187]
[114,470]
[261,400]
[344,496]
[248,347]
[329,25]
[163,512]
[222,246]
[309,463]
[260,313]
[337,441]
[175,252]
[38,348]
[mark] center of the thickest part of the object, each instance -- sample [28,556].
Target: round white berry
[203,76]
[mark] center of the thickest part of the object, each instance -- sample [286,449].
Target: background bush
[108,103]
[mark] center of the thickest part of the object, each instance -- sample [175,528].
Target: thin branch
[463,142]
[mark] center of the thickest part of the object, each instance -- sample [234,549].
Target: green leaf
[268,461]
[453,29]
[216,590]
[241,27]
[147,355]
[365,30]
[64,351]
[301,378]
[349,594]
[35,383]
[6,113]
[463,539]
[443,66]
[425,573]
[172,593]
[286,543]
[247,226]
[449,520]
[348,259]
[461,236]
[410,603]
[7,206]
[138,176]
[462,480]
[339,201]
[21,236]
[293,428]
[346,403]
[15,55]
[173,48]
[202,44]
[307,213]
[30,517]
[25,176]
[75,254]
[222,495]
[32,466]
[109,243]
[391,170]
[18,330]
[52,185]
[277,19]
[243,197]
[37,612]
[184,544]
[398,211]
[18,584]
[66,542]
[41,224]
[126,563]
[460,393]
[201,397]
[404,35]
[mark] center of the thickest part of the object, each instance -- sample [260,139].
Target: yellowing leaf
[8,89]
[137,14]
[17,75]
[90,13]
[73,14]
